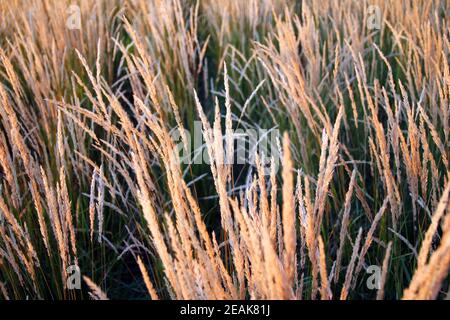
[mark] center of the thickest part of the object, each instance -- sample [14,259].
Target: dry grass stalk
[147,281]
[288,212]
[96,292]
[428,277]
[344,225]
[86,133]
[350,268]
[385,268]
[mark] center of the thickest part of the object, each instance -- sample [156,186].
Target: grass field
[224,149]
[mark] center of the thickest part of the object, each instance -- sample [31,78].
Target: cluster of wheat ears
[91,173]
